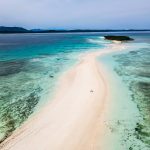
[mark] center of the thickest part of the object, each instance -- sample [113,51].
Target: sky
[76,14]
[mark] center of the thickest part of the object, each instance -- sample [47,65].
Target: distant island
[13,30]
[118,38]
[6,30]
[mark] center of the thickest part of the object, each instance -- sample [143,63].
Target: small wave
[101,37]
[95,41]
[35,60]
[99,40]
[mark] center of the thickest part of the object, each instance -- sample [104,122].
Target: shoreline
[71,120]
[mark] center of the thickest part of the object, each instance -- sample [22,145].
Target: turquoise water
[132,68]
[30,65]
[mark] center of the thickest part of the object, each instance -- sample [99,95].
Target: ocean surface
[31,64]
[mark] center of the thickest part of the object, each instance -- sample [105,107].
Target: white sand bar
[72,120]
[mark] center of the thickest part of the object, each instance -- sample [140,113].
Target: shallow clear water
[132,68]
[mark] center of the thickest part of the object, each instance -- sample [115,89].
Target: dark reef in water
[141,94]
[11,67]
[19,94]
[17,113]
[118,38]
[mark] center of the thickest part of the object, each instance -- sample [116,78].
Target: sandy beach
[73,120]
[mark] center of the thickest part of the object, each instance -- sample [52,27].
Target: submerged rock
[118,38]
[51,76]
